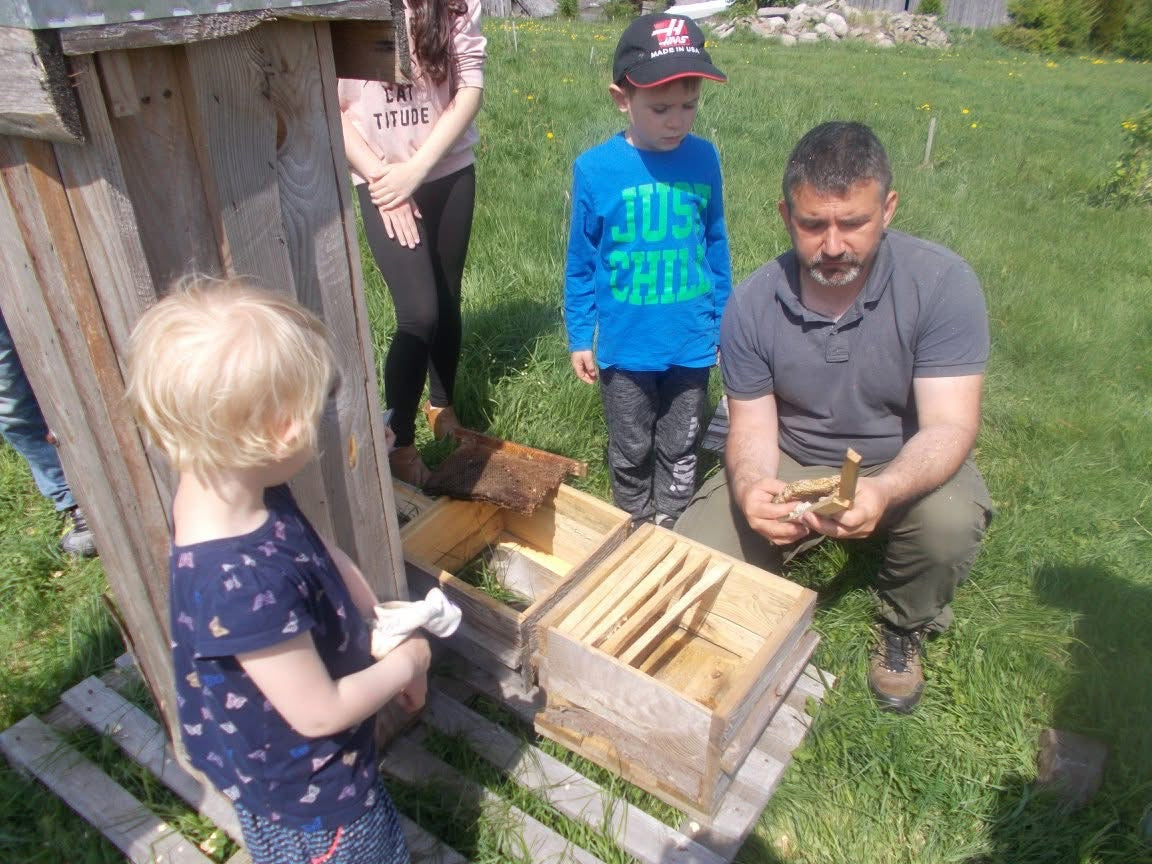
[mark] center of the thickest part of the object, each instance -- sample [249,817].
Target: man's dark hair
[836,156]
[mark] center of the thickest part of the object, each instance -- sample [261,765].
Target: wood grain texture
[712,580]
[36,100]
[105,218]
[121,818]
[142,739]
[639,834]
[611,584]
[647,600]
[164,184]
[676,728]
[522,837]
[197,28]
[390,558]
[56,322]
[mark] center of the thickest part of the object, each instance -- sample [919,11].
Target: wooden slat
[36,100]
[164,183]
[127,823]
[522,837]
[196,28]
[105,218]
[236,130]
[654,594]
[713,577]
[312,217]
[607,591]
[138,735]
[387,568]
[423,848]
[637,833]
[50,306]
[486,623]
[574,525]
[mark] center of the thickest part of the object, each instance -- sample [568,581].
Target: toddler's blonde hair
[227,374]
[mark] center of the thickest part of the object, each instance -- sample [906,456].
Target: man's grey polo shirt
[848,383]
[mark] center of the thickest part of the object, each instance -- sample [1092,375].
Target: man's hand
[770,519]
[858,521]
[584,365]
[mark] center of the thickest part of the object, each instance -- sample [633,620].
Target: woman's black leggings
[425,286]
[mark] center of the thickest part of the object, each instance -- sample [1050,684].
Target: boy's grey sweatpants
[653,423]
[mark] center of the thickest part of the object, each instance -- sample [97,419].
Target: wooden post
[928,145]
[36,100]
[224,156]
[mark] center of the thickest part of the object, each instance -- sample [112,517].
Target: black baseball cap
[662,47]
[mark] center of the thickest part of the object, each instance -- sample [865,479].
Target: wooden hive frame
[666,663]
[566,537]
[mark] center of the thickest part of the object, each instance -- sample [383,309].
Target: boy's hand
[584,365]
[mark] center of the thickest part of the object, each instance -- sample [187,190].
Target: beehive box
[666,663]
[526,563]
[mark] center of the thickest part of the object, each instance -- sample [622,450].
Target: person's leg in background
[682,393]
[630,401]
[447,205]
[23,427]
[411,280]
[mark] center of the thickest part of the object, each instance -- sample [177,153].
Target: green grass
[1048,630]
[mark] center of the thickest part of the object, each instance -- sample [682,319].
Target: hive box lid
[52,14]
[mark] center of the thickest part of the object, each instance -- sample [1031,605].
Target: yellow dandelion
[927,106]
[965,111]
[1051,64]
[550,136]
[975,125]
[529,97]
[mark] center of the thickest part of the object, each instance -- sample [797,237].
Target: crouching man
[861,337]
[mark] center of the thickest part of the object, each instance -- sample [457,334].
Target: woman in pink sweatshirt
[410,149]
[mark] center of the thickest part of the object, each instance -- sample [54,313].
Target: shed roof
[47,14]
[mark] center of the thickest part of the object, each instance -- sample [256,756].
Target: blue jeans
[23,426]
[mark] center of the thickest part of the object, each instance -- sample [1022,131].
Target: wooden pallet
[37,746]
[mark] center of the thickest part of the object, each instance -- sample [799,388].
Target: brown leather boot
[895,673]
[407,466]
[442,421]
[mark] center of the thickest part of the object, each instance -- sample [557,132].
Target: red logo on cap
[670,32]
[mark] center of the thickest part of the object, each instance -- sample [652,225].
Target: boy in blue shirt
[648,272]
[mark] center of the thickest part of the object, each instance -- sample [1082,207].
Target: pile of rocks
[833,20]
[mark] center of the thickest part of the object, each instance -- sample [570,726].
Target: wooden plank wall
[223,157]
[977,14]
[36,100]
[962,13]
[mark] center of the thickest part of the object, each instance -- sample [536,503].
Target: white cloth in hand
[399,619]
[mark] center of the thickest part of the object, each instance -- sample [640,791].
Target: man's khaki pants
[931,543]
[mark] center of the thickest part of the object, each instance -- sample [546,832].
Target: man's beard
[837,280]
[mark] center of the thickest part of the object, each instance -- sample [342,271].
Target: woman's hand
[396,182]
[400,223]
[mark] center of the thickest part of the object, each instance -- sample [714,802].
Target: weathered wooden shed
[977,14]
[142,139]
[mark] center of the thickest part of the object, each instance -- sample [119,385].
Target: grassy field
[1048,629]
